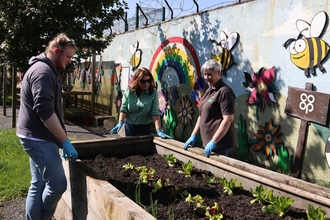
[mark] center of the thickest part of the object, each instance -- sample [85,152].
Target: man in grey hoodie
[41,129]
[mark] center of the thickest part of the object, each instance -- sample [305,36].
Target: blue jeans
[137,130]
[48,181]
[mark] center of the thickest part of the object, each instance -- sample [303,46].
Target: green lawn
[14,166]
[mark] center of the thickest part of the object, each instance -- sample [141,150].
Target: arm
[196,128]
[156,119]
[192,139]
[223,128]
[122,117]
[54,126]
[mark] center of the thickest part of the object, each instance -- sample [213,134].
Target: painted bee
[308,50]
[221,51]
[136,56]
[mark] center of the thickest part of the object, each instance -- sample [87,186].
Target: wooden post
[309,106]
[93,85]
[14,95]
[4,72]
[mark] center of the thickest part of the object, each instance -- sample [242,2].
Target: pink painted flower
[162,102]
[261,87]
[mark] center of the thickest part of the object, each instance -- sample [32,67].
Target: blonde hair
[138,75]
[60,41]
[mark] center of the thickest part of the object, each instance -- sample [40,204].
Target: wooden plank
[307,105]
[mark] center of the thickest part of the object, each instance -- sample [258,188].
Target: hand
[162,134]
[68,151]
[117,128]
[208,148]
[190,142]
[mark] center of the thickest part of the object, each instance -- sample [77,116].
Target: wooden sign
[309,106]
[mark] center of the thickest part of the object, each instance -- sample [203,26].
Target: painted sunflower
[185,111]
[267,139]
[261,87]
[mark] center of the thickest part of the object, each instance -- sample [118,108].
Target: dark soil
[236,206]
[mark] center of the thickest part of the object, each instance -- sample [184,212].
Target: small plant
[278,205]
[159,183]
[214,213]
[210,180]
[146,175]
[199,203]
[171,160]
[261,195]
[317,213]
[128,166]
[154,207]
[187,168]
[229,187]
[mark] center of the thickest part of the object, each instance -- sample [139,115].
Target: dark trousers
[137,130]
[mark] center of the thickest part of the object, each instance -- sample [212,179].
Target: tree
[26,26]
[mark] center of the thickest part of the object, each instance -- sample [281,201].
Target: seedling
[214,213]
[317,213]
[199,203]
[171,160]
[229,187]
[279,205]
[210,180]
[261,196]
[187,168]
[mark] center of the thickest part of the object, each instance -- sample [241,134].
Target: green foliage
[261,195]
[214,213]
[230,186]
[187,168]
[15,173]
[199,203]
[171,160]
[128,166]
[210,180]
[171,121]
[154,207]
[278,205]
[284,161]
[243,139]
[315,214]
[83,21]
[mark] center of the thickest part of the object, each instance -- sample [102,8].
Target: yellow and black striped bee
[309,50]
[136,56]
[221,50]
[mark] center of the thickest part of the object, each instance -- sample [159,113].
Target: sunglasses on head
[142,81]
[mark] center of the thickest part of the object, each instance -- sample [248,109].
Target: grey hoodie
[41,96]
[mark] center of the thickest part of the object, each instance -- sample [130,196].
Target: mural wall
[267,48]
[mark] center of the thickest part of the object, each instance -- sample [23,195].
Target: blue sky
[179,7]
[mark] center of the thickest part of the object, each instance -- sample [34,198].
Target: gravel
[76,129]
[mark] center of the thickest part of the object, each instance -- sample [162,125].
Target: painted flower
[199,88]
[267,139]
[185,111]
[261,87]
[162,102]
[174,94]
[118,100]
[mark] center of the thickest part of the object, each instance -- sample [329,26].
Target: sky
[179,7]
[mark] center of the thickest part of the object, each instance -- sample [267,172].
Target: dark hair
[138,75]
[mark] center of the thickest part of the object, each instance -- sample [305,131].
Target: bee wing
[132,48]
[223,39]
[304,28]
[232,40]
[318,24]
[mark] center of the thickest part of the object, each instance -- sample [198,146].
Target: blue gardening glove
[117,128]
[208,148]
[68,151]
[162,134]
[190,142]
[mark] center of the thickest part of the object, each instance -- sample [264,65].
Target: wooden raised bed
[89,197]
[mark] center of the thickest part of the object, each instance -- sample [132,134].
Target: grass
[14,166]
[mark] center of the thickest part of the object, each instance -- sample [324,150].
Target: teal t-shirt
[140,109]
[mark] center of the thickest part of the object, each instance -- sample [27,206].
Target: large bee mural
[221,50]
[136,56]
[308,50]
